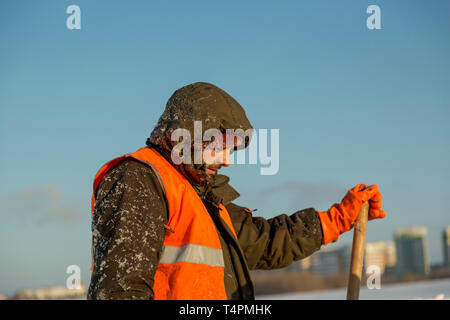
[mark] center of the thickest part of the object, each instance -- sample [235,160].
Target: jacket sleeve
[128,233]
[276,242]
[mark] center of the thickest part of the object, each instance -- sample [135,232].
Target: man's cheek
[210,157]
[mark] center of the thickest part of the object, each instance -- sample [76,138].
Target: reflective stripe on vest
[191,266]
[192,253]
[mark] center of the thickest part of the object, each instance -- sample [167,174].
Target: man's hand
[340,217]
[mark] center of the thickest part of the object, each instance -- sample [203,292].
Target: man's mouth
[212,169]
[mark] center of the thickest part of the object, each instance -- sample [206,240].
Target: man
[165,229]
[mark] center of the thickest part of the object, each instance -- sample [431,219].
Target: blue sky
[352,105]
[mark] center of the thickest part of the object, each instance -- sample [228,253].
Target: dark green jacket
[128,235]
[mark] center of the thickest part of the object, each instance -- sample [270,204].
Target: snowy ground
[433,289]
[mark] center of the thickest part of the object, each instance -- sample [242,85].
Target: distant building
[446,246]
[381,254]
[412,251]
[300,265]
[330,261]
[52,293]
[305,264]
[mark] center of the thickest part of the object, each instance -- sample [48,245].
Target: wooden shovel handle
[356,263]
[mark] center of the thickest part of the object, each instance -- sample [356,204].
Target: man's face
[216,158]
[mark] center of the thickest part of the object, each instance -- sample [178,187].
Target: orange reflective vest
[191,266]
